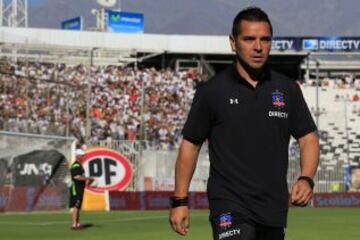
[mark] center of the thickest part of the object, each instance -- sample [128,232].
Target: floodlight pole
[317,111]
[27,74]
[143,88]
[346,99]
[139,178]
[1,13]
[88,102]
[119,5]
[103,19]
[14,13]
[307,76]
[26,17]
[88,96]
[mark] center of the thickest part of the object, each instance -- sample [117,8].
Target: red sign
[112,171]
[198,200]
[153,200]
[4,198]
[30,198]
[157,200]
[125,201]
[336,200]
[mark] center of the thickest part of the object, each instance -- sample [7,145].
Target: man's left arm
[302,192]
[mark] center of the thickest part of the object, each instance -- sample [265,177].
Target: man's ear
[232,42]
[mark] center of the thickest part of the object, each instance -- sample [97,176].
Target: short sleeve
[76,170]
[197,126]
[301,121]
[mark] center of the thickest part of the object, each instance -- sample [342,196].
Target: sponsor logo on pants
[229,233]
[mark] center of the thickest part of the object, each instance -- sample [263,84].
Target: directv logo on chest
[278,101]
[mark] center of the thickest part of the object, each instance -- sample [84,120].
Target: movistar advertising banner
[73,24]
[331,44]
[126,22]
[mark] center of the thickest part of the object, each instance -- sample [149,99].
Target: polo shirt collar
[266,76]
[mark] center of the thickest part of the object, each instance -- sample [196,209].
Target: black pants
[230,226]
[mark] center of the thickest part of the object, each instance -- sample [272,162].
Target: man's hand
[301,193]
[89,180]
[180,219]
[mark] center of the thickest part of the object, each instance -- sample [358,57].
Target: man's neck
[253,79]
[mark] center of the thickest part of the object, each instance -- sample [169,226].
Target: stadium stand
[51,99]
[339,126]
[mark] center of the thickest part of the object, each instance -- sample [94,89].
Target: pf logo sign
[113,172]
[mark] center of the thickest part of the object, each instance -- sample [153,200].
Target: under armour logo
[234,101]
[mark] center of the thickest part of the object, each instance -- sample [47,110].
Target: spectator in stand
[51,99]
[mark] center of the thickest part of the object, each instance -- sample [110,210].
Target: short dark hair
[251,14]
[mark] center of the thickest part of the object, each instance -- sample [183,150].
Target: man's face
[253,43]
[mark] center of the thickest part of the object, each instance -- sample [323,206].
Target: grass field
[303,224]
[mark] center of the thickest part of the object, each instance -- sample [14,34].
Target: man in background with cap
[77,188]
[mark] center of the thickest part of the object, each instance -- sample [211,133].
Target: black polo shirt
[77,187]
[248,130]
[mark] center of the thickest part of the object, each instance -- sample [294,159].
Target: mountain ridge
[214,17]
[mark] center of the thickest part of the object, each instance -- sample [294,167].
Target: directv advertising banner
[72,24]
[125,22]
[331,44]
[285,44]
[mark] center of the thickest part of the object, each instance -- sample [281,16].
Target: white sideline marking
[92,221]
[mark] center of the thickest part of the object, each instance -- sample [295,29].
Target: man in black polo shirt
[248,114]
[77,188]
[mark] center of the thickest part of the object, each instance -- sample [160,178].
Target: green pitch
[304,224]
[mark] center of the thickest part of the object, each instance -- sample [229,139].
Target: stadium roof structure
[108,48]
[338,60]
[104,48]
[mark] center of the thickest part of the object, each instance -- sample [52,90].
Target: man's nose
[257,46]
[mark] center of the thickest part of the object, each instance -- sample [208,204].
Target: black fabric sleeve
[301,121]
[197,126]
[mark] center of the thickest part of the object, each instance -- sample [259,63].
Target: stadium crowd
[52,99]
[346,82]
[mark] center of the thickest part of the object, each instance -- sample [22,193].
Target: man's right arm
[184,170]
[88,180]
[78,175]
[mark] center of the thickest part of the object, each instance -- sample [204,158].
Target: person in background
[79,181]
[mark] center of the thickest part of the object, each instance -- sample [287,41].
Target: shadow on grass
[86,226]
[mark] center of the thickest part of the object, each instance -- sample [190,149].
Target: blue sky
[36,2]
